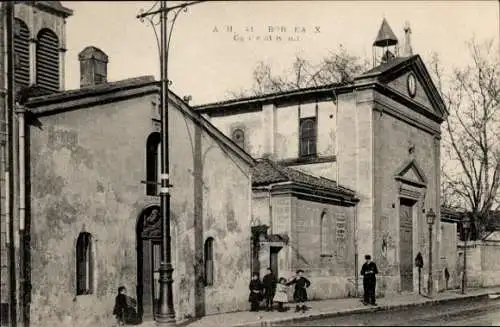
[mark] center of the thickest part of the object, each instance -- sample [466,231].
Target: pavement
[330,308]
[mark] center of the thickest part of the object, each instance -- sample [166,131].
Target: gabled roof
[55,103]
[267,172]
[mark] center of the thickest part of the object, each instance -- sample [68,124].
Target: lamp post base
[430,286]
[166,314]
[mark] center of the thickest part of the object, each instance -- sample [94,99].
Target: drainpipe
[9,178]
[356,255]
[22,213]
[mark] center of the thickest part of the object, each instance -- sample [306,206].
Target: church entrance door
[406,244]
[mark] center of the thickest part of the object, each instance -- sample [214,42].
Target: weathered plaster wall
[448,254]
[330,272]
[355,160]
[393,138]
[86,172]
[483,267]
[274,130]
[254,125]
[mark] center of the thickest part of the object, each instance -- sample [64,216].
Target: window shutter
[22,54]
[47,60]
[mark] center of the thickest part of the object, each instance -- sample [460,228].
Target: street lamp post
[166,313]
[431,216]
[465,228]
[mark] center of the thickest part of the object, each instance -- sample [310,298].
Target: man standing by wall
[369,272]
[269,281]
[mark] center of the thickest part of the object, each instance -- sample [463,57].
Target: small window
[84,264]
[239,138]
[153,157]
[209,261]
[307,137]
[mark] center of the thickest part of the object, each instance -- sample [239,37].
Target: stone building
[40,46]
[94,226]
[377,135]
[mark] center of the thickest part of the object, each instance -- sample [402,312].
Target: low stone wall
[483,266]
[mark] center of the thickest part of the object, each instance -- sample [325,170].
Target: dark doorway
[273,259]
[406,244]
[148,261]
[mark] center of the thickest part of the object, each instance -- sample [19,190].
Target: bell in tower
[385,46]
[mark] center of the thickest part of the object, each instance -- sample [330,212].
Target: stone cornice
[385,107]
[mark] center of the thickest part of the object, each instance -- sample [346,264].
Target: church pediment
[411,173]
[409,79]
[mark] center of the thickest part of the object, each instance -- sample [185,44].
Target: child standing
[255,292]
[281,295]
[300,293]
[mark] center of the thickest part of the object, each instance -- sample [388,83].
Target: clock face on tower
[411,84]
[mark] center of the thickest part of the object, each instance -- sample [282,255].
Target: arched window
[22,53]
[307,137]
[84,264]
[209,261]
[324,232]
[47,60]
[153,157]
[239,138]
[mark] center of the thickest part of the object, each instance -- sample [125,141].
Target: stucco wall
[448,255]
[330,272]
[86,171]
[483,268]
[393,138]
[274,130]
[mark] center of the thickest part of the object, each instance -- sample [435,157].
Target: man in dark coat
[255,292]
[369,271]
[269,282]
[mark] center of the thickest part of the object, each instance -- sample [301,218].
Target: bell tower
[385,47]
[40,44]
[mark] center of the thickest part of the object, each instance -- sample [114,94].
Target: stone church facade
[312,179]
[377,135]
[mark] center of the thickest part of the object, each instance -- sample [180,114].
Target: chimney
[93,66]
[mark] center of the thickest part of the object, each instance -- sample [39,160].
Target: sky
[215,45]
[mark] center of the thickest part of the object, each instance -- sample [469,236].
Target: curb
[324,315]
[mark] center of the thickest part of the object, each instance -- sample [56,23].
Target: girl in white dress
[281,295]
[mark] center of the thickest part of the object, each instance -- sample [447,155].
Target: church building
[312,178]
[351,169]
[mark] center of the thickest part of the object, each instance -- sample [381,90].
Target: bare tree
[338,66]
[471,146]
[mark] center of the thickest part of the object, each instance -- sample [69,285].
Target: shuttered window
[22,53]
[47,60]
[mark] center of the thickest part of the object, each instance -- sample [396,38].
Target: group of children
[278,292]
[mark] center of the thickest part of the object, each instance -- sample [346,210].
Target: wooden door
[148,263]
[274,260]
[406,244]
